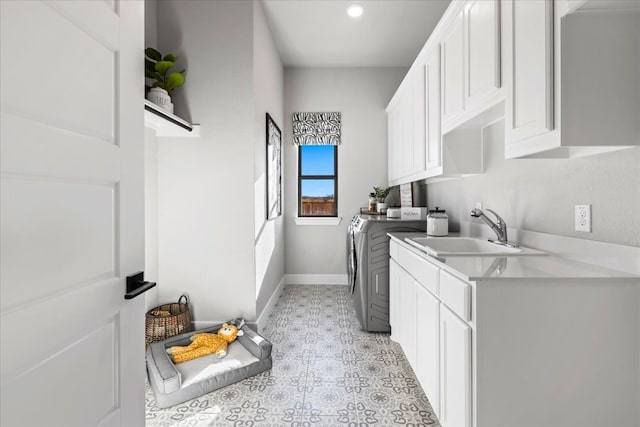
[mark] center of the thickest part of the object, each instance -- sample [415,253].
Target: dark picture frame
[274,168]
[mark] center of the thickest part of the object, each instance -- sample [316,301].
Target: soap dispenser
[437,223]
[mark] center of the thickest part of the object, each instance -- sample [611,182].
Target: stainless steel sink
[466,246]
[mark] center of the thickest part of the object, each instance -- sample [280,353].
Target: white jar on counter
[437,223]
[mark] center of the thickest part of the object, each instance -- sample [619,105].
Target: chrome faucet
[500,228]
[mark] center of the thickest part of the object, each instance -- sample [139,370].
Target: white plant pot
[382,207]
[161,98]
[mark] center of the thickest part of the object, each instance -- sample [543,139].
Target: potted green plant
[381,194]
[157,67]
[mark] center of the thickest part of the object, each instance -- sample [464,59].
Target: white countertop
[478,268]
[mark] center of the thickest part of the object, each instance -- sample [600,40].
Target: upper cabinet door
[417,162]
[453,69]
[482,24]
[433,128]
[394,130]
[530,73]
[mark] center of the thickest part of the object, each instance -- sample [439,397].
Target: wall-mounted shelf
[166,124]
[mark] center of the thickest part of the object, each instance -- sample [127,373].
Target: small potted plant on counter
[157,67]
[381,195]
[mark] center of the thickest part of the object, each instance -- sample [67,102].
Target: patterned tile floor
[326,372]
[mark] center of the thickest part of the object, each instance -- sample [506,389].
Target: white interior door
[72,220]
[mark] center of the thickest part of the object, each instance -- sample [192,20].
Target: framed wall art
[274,169]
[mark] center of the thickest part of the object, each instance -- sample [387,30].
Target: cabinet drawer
[423,271]
[456,295]
[393,249]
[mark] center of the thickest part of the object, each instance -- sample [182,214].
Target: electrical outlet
[479,205]
[583,218]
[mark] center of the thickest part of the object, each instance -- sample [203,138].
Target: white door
[455,370]
[72,351]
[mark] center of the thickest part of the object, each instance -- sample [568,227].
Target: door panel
[428,345]
[433,134]
[529,56]
[483,49]
[453,70]
[94,388]
[80,97]
[71,216]
[455,370]
[84,218]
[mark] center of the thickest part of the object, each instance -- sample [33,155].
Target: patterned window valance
[316,128]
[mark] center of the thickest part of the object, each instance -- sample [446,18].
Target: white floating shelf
[166,124]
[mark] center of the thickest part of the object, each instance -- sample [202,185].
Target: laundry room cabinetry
[490,338]
[406,129]
[436,342]
[572,77]
[471,62]
[450,91]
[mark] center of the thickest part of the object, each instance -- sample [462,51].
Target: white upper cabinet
[529,57]
[406,118]
[453,70]
[573,77]
[432,97]
[451,81]
[482,78]
[471,62]
[395,137]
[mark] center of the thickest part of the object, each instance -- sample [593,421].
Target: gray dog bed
[172,383]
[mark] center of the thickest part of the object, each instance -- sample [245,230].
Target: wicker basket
[167,320]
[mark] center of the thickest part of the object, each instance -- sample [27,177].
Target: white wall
[268,81]
[151,215]
[150,23]
[540,194]
[361,95]
[206,186]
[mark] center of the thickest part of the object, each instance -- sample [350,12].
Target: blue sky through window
[317,160]
[317,188]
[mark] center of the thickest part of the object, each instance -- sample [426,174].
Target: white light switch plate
[583,218]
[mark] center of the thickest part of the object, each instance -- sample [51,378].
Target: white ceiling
[319,33]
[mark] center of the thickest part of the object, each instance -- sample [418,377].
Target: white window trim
[332,220]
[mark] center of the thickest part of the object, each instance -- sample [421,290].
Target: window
[317,180]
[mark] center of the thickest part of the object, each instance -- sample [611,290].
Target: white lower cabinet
[394,299]
[408,315]
[455,371]
[517,352]
[436,342]
[427,367]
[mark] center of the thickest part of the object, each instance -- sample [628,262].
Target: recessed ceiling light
[355,10]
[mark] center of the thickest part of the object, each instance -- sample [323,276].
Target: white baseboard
[261,321]
[315,279]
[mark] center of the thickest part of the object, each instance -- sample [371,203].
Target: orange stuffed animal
[204,344]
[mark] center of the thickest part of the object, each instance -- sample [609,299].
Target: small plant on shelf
[157,67]
[381,193]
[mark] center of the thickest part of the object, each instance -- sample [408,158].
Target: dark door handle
[136,285]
